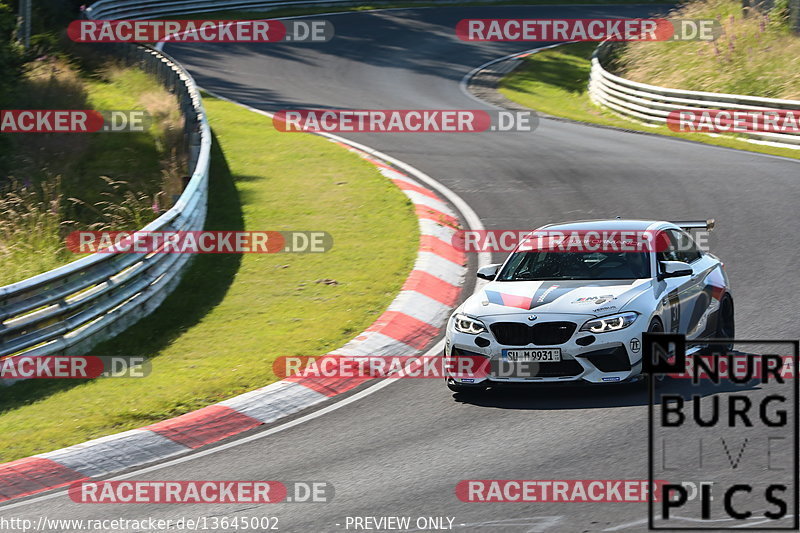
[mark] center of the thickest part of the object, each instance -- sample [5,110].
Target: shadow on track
[559,396]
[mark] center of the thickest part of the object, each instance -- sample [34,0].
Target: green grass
[134,157]
[218,333]
[554,82]
[80,159]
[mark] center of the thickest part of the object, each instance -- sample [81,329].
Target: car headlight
[610,323]
[465,324]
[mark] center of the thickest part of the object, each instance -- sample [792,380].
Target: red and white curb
[405,328]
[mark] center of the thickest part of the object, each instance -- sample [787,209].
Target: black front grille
[567,367]
[552,332]
[512,333]
[543,334]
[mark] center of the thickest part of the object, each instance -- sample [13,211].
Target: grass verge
[218,333]
[554,82]
[59,182]
[755,54]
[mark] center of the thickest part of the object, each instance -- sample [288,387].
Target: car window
[671,251]
[687,249]
[535,266]
[680,247]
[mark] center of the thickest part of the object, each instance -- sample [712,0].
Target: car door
[699,294]
[681,293]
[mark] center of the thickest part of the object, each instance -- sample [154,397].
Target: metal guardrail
[652,104]
[71,308]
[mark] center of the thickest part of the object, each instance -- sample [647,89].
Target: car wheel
[725,325]
[655,326]
[465,389]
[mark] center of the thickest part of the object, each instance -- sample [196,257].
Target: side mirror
[489,271]
[674,269]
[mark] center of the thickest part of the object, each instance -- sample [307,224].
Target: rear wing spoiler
[707,225]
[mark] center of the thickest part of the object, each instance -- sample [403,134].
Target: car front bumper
[610,357]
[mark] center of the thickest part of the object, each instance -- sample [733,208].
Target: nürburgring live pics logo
[731,429]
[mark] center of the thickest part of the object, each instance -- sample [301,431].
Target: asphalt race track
[403,449]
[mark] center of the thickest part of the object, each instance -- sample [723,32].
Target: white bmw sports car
[559,313]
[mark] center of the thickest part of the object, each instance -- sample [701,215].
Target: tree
[10,53]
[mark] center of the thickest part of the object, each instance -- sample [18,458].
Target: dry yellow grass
[755,55]
[59,182]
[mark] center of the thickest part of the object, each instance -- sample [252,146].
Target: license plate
[547,355]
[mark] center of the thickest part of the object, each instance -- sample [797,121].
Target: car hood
[570,296]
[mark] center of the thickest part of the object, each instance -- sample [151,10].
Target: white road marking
[464,83]
[760,522]
[627,525]
[316,414]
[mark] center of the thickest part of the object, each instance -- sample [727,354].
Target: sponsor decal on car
[597,300]
[635,345]
[606,308]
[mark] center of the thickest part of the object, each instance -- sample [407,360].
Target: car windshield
[539,266]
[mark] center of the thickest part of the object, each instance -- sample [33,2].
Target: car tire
[655,326]
[726,326]
[465,389]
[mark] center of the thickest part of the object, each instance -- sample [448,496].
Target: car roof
[610,224]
